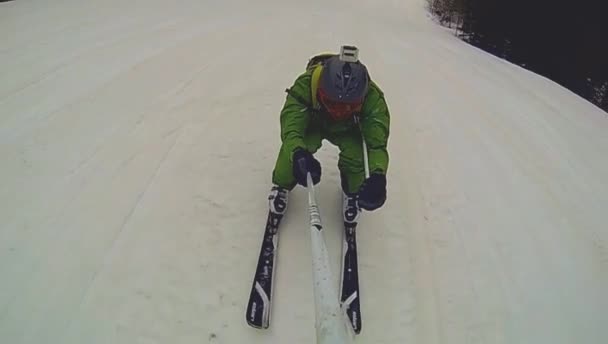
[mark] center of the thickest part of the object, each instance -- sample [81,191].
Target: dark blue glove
[303,163]
[372,193]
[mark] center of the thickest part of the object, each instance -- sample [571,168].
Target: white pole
[330,320]
[365,158]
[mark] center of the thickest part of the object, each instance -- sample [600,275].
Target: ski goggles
[338,110]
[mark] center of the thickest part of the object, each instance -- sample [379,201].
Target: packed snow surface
[137,140]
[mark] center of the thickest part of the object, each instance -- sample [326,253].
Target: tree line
[564,41]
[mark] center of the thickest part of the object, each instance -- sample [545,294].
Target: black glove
[372,193]
[303,163]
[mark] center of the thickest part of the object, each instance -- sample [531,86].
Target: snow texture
[137,140]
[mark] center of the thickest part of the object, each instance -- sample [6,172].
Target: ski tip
[254,322]
[257,325]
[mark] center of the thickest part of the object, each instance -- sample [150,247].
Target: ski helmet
[342,87]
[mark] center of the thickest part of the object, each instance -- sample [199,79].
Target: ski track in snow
[138,141]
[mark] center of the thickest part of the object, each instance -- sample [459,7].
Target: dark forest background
[566,42]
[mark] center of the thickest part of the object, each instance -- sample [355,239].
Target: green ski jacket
[298,118]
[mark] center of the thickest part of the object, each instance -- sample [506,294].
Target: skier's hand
[372,193]
[303,163]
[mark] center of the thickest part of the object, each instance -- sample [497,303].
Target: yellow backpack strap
[314,85]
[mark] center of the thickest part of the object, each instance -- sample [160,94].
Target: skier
[334,100]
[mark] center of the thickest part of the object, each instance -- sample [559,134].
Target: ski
[350,277]
[259,305]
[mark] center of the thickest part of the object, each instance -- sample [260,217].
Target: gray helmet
[342,81]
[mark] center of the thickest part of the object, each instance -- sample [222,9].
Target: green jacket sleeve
[295,116]
[375,125]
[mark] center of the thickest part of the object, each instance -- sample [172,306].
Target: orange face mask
[339,110]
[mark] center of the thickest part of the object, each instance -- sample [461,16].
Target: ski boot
[350,208]
[277,200]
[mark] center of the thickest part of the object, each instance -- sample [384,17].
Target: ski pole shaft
[364,144]
[365,158]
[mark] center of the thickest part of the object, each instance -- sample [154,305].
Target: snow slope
[137,141]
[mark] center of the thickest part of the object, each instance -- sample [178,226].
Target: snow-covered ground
[137,139]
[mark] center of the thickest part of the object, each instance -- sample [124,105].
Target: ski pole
[365,158]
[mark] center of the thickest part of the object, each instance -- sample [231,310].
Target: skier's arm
[375,125]
[295,115]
